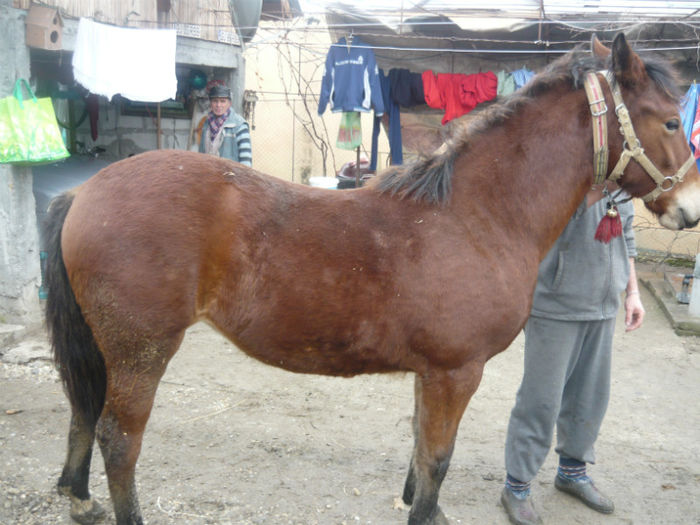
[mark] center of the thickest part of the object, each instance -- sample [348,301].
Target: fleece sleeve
[326,82]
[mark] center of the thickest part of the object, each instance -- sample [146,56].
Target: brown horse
[430,269]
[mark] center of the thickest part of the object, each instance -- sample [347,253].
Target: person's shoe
[520,510]
[587,492]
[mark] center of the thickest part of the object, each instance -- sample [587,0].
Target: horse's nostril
[688,223]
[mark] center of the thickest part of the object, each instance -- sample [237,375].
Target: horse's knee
[433,469]
[438,469]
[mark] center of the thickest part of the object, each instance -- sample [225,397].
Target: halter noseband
[631,148]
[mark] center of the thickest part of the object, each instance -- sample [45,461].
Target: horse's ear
[628,67]
[598,49]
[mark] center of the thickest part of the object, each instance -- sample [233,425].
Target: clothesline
[508,51]
[352,83]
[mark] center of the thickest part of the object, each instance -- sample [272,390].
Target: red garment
[431,91]
[457,93]
[478,88]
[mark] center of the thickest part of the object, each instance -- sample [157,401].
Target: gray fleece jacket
[581,279]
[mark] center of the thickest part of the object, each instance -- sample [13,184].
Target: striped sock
[571,469]
[520,489]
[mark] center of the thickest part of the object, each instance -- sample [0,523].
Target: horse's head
[658,166]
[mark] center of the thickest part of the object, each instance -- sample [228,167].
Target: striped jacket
[234,142]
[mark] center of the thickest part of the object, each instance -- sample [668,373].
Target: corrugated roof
[502,14]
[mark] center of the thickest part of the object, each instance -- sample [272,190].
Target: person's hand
[634,311]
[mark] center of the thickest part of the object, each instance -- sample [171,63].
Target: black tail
[75,352]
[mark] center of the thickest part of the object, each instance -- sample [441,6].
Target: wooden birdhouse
[44,28]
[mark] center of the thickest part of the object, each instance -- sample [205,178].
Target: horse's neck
[533,171]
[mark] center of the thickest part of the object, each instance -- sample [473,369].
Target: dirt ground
[232,441]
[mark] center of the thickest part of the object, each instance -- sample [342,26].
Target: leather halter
[631,148]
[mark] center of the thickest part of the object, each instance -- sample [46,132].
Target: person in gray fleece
[568,347]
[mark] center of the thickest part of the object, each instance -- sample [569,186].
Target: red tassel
[610,226]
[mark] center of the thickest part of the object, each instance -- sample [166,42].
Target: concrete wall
[19,258]
[20,272]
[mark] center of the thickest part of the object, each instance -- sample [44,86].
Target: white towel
[139,64]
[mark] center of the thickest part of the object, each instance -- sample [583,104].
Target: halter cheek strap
[596,101]
[631,149]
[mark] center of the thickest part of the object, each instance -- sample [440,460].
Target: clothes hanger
[349,38]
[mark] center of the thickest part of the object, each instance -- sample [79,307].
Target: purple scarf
[215,123]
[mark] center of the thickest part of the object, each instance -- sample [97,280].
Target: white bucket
[330,183]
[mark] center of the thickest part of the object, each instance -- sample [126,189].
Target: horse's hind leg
[76,472]
[443,396]
[133,378]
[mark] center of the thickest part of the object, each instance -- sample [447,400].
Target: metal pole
[694,306]
[158,129]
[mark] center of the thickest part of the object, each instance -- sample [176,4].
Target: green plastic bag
[29,132]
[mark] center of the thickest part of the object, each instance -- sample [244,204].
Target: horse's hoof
[439,519]
[86,512]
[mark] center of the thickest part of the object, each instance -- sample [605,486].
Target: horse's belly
[325,359]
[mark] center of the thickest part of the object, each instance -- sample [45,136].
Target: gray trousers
[566,382]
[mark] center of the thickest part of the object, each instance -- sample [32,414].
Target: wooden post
[71,127]
[357,168]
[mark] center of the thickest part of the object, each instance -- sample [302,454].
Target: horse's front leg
[441,399]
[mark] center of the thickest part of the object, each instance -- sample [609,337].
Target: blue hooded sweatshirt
[351,79]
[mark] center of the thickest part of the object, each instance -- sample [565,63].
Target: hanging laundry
[478,88]
[695,134]
[689,107]
[521,77]
[351,79]
[139,64]
[444,91]
[431,92]
[406,88]
[690,119]
[392,110]
[506,83]
[350,130]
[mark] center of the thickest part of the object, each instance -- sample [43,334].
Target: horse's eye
[673,124]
